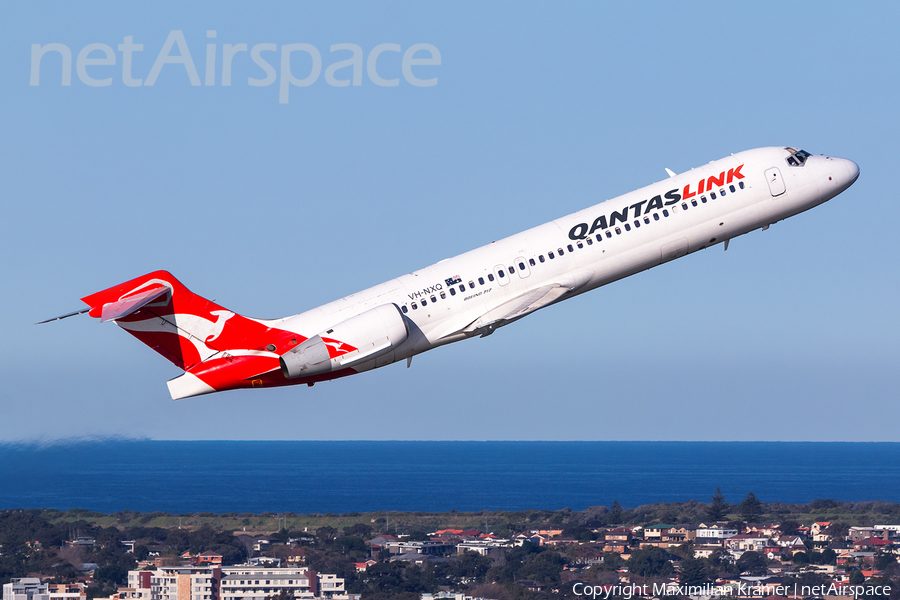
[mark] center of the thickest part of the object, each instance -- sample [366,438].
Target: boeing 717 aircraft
[474,293]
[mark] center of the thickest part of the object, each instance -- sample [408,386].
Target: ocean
[361,476]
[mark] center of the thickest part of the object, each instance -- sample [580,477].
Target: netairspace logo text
[345,66]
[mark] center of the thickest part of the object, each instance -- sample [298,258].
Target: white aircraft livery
[474,293]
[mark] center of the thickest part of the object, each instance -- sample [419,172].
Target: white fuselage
[590,248]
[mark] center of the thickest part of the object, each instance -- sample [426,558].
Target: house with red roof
[209,558]
[872,543]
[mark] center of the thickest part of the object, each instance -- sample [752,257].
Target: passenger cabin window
[471,285]
[712,195]
[481,281]
[571,249]
[404,309]
[490,276]
[424,302]
[656,216]
[541,258]
[512,270]
[589,241]
[608,233]
[501,273]
[521,266]
[580,245]
[551,255]
[443,296]
[731,188]
[415,306]
[462,288]
[618,231]
[703,199]
[531,262]
[627,227]
[433,299]
[741,184]
[560,251]
[452,291]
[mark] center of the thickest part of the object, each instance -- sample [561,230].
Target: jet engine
[363,337]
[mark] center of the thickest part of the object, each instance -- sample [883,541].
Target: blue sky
[539,109]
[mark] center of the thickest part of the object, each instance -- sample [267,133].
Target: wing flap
[516,308]
[509,311]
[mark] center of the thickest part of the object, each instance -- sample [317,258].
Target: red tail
[217,348]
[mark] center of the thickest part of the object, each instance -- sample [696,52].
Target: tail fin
[161,312]
[217,348]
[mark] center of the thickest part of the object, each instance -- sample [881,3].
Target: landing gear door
[775,180]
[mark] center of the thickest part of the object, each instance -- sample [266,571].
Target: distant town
[825,549]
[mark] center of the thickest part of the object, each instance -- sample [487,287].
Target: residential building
[745,542]
[872,544]
[818,531]
[705,550]
[32,588]
[26,588]
[239,582]
[794,543]
[893,530]
[711,534]
[132,594]
[664,535]
[247,582]
[482,546]
[331,586]
[618,535]
[380,543]
[654,534]
[431,548]
[182,583]
[67,591]
[362,566]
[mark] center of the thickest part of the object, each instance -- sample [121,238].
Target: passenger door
[775,181]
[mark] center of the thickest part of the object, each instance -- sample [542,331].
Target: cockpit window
[797,158]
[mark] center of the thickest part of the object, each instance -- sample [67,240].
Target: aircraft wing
[511,310]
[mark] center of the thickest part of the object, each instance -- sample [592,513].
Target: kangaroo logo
[219,325]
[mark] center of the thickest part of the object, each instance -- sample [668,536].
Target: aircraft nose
[852,171]
[844,171]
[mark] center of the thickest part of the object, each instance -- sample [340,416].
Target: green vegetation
[500,522]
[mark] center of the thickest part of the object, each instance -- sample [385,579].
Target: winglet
[670,172]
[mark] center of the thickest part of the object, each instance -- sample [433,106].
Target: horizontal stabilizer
[129,304]
[187,385]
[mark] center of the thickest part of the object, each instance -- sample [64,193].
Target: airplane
[477,292]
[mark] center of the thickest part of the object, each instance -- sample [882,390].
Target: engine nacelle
[360,338]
